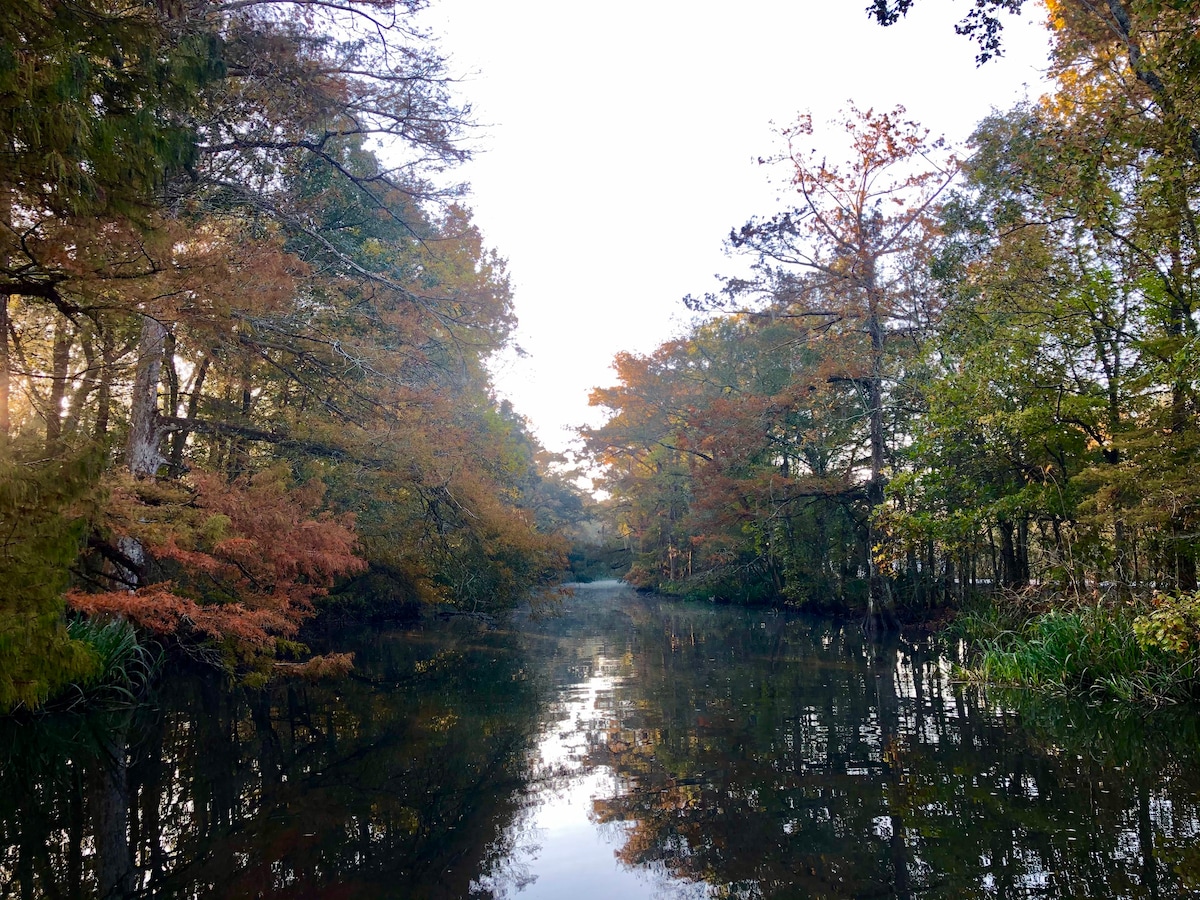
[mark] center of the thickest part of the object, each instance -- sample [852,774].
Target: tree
[734,464]
[849,260]
[1080,223]
[981,24]
[242,561]
[43,517]
[1016,359]
[1148,45]
[212,280]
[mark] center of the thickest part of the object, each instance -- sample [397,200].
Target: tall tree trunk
[142,455]
[180,437]
[1014,554]
[5,372]
[881,614]
[1183,559]
[1008,554]
[1180,326]
[1023,572]
[239,447]
[86,383]
[108,358]
[5,327]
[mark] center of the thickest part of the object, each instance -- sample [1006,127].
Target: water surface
[629,747]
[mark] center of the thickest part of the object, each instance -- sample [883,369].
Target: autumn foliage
[270,339]
[243,561]
[944,378]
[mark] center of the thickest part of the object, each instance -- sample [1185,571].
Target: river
[628,747]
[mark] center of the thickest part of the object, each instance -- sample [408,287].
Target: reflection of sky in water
[774,769]
[561,851]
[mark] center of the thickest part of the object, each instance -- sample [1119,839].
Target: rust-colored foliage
[318,668]
[160,610]
[245,559]
[213,280]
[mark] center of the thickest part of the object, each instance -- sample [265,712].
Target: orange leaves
[242,562]
[849,219]
[283,301]
[330,665]
[279,543]
[159,610]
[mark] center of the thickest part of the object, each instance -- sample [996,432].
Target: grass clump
[124,670]
[1132,651]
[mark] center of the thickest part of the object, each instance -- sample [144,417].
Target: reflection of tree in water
[64,804]
[375,785]
[770,757]
[755,755]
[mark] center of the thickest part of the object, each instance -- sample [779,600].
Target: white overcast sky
[619,142]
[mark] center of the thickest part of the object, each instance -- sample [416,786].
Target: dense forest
[293,602]
[947,373]
[245,322]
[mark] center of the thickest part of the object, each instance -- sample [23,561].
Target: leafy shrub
[1173,624]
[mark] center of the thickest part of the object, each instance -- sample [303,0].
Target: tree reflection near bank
[404,778]
[719,752]
[768,756]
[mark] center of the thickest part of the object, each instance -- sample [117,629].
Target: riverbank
[1133,649]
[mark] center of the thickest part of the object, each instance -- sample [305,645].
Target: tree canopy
[236,277]
[945,376]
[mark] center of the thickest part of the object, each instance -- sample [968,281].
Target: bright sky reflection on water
[633,747]
[562,853]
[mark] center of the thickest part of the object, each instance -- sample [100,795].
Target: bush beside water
[1135,650]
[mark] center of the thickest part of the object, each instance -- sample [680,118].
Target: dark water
[629,748]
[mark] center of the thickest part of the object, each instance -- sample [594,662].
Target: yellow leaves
[1173,625]
[1056,18]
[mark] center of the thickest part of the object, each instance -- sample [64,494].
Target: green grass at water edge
[1089,650]
[125,665]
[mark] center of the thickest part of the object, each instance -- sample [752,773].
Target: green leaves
[44,516]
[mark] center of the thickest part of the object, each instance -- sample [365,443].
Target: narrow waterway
[627,747]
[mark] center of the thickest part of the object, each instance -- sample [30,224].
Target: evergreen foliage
[44,515]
